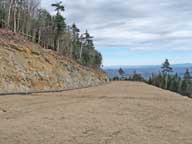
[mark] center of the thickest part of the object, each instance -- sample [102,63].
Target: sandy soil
[116,113]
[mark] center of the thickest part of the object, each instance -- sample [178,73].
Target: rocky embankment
[25,66]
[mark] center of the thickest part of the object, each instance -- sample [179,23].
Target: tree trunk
[56,42]
[34,36]
[39,36]
[18,20]
[15,17]
[9,14]
[81,50]
[58,46]
[166,82]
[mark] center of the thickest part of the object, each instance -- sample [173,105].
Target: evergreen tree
[76,44]
[75,35]
[137,77]
[60,24]
[98,59]
[186,86]
[89,40]
[150,81]
[49,31]
[121,72]
[58,7]
[166,68]
[175,83]
[187,75]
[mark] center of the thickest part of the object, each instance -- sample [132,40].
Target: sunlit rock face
[25,66]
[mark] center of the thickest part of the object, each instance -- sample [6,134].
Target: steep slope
[25,66]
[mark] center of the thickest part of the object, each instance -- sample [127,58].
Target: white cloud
[133,24]
[180,34]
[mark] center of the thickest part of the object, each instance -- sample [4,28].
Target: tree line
[165,79]
[50,31]
[168,81]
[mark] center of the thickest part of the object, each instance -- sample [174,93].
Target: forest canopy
[50,31]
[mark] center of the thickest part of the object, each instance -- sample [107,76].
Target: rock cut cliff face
[25,66]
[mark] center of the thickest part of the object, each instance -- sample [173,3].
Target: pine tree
[49,31]
[186,86]
[60,25]
[58,7]
[187,75]
[121,72]
[137,77]
[75,33]
[76,45]
[98,60]
[166,69]
[175,83]
[150,81]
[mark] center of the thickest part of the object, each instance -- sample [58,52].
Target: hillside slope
[25,66]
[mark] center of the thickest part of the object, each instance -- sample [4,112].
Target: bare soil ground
[116,113]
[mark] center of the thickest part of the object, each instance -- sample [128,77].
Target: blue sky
[134,32]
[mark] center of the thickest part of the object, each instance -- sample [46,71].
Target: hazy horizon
[153,65]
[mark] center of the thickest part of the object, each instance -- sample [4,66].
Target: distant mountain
[188,65]
[147,70]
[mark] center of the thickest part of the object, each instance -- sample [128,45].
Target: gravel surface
[115,113]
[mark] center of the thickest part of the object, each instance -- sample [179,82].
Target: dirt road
[116,113]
